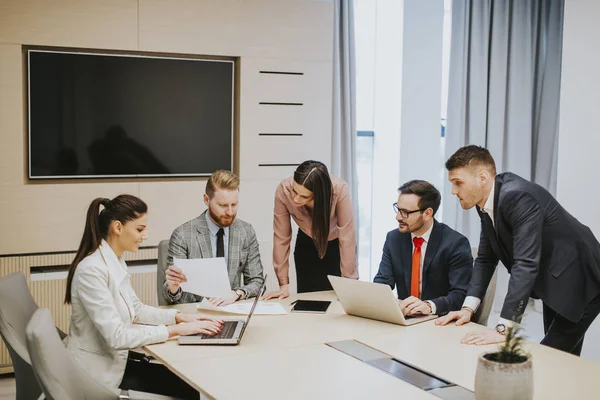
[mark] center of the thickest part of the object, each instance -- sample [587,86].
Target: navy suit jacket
[447,266]
[548,252]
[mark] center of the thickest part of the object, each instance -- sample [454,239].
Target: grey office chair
[161,267]
[59,375]
[16,308]
[483,311]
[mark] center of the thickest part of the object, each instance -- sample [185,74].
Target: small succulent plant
[511,351]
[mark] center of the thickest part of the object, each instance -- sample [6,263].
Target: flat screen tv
[116,116]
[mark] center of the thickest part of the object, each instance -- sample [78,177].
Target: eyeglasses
[404,213]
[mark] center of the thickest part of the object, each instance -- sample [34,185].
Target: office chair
[161,267]
[485,307]
[16,308]
[59,375]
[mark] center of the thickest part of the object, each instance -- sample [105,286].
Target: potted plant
[506,373]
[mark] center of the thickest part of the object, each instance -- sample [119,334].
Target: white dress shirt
[471,301]
[213,229]
[425,237]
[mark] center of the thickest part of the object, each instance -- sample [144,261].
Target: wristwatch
[501,329]
[241,293]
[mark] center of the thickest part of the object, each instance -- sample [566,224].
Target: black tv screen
[103,115]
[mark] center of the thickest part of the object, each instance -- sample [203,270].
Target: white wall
[578,189]
[422,91]
[408,94]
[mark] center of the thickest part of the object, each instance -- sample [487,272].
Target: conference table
[294,356]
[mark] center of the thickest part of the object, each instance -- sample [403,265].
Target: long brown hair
[122,208]
[314,176]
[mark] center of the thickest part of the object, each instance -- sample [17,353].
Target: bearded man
[216,233]
[429,263]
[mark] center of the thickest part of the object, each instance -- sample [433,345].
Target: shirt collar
[425,236]
[489,204]
[214,228]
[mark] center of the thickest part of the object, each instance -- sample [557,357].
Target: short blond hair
[221,179]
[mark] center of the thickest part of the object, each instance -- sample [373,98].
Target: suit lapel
[490,232]
[406,248]
[204,236]
[497,188]
[432,247]
[500,250]
[119,274]
[233,252]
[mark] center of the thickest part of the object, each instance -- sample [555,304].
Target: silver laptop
[232,331]
[371,300]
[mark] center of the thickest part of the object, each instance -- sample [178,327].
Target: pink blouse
[341,227]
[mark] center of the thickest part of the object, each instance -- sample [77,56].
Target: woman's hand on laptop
[190,317]
[282,293]
[414,306]
[175,277]
[195,327]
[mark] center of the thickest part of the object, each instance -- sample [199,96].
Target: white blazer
[108,319]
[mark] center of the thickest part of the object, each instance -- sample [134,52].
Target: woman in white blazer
[107,318]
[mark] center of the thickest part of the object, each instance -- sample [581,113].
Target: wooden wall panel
[50,294]
[311,119]
[46,217]
[109,24]
[291,29]
[171,204]
[144,286]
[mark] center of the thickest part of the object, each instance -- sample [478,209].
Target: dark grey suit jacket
[447,266]
[192,240]
[549,254]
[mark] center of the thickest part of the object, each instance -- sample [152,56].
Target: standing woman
[107,318]
[326,243]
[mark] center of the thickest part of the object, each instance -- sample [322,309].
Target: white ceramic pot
[502,381]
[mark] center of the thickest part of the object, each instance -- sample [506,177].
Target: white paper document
[205,276]
[262,308]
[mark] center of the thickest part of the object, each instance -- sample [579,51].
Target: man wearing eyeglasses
[428,262]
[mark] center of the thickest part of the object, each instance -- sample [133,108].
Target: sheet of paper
[262,308]
[205,276]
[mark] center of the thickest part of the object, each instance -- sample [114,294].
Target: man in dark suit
[430,263]
[548,253]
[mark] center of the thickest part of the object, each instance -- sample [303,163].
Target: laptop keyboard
[226,333]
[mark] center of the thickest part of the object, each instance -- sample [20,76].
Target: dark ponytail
[122,208]
[314,176]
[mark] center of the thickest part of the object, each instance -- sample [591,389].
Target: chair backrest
[16,308]
[59,375]
[485,307]
[161,267]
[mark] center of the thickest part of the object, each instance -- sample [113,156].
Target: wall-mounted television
[97,115]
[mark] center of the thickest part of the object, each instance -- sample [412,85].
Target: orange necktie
[416,268]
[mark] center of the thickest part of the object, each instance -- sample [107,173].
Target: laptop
[232,331]
[371,300]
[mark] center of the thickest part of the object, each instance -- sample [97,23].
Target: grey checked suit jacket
[192,240]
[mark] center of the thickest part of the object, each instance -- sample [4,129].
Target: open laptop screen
[261,291]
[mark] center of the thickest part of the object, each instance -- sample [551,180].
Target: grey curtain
[343,146]
[504,89]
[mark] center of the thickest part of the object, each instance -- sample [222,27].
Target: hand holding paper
[205,276]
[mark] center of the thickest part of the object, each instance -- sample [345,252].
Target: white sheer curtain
[343,146]
[504,90]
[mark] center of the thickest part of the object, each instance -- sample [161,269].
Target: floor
[7,387]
